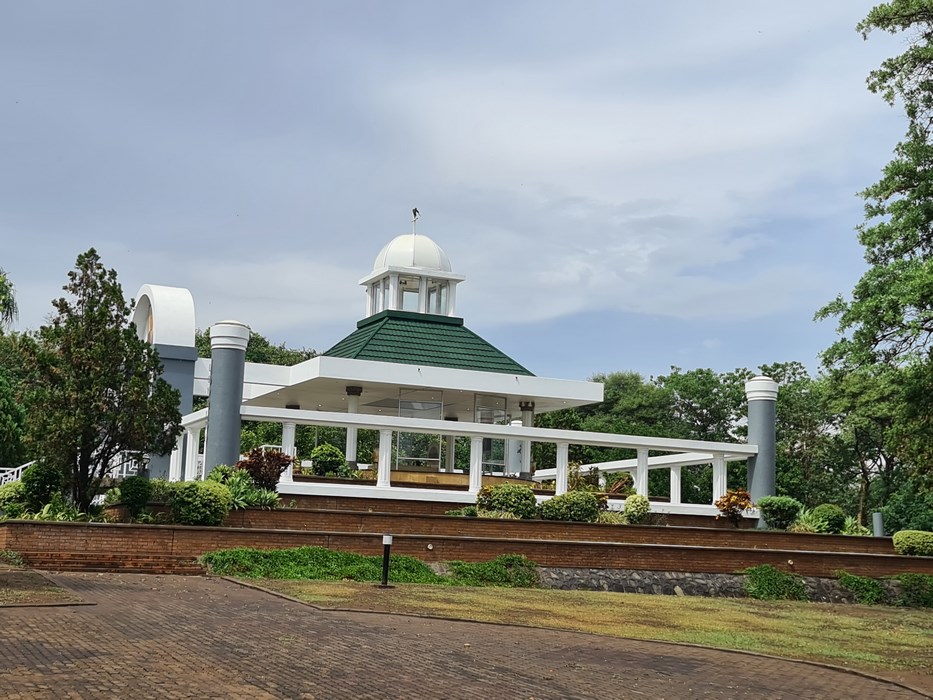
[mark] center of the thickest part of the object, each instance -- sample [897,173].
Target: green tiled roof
[423,339]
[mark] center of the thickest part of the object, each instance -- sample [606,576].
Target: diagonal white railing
[8,476]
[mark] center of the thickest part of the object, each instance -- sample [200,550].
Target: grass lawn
[29,588]
[873,639]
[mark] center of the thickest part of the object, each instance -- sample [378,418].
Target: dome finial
[415,215]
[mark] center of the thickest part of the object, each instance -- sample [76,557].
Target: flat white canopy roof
[320,384]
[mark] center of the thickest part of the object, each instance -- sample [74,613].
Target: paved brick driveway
[165,637]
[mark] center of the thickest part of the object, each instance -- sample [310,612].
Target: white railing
[8,476]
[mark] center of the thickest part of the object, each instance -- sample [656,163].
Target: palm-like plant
[8,309]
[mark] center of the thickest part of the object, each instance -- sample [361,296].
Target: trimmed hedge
[779,512]
[830,518]
[767,583]
[135,492]
[12,499]
[573,506]
[516,499]
[637,508]
[200,503]
[41,481]
[914,543]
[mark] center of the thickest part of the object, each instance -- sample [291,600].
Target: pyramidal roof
[423,339]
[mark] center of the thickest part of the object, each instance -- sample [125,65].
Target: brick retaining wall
[62,546]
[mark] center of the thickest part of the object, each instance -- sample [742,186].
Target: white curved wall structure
[165,315]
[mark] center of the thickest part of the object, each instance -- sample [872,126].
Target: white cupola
[411,273]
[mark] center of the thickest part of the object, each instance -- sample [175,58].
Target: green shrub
[516,499]
[619,483]
[914,543]
[496,514]
[160,491]
[908,508]
[201,503]
[867,591]
[12,499]
[507,570]
[854,528]
[57,509]
[767,583]
[573,506]
[221,473]
[829,518]
[134,493]
[465,512]
[779,512]
[240,485]
[265,499]
[916,590]
[637,508]
[265,467]
[41,481]
[326,458]
[112,496]
[612,517]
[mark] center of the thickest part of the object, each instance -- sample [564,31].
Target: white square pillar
[675,485]
[193,448]
[176,463]
[563,468]
[641,472]
[476,464]
[384,473]
[720,482]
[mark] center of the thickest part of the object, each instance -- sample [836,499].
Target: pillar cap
[761,388]
[229,335]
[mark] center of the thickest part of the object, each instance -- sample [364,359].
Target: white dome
[410,250]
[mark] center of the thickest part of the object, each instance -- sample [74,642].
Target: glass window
[408,293]
[491,410]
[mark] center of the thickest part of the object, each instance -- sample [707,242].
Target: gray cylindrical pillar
[228,361]
[877,525]
[762,401]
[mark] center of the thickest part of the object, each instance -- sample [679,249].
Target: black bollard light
[386,549]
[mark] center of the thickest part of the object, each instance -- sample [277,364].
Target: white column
[476,464]
[675,485]
[563,462]
[393,291]
[176,462]
[384,473]
[641,472]
[452,299]
[451,453]
[353,406]
[528,420]
[288,447]
[193,439]
[423,294]
[720,483]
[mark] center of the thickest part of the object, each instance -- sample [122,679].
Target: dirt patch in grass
[18,587]
[894,642]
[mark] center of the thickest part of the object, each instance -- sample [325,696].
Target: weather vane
[414,217]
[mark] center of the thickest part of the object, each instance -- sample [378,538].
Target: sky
[626,185]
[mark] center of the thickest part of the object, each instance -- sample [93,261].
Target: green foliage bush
[867,591]
[733,504]
[160,491]
[507,570]
[41,481]
[465,512]
[637,508]
[135,492]
[908,508]
[854,528]
[516,499]
[612,517]
[200,503]
[265,466]
[324,564]
[620,483]
[829,518]
[221,473]
[12,499]
[805,522]
[573,506]
[326,458]
[496,514]
[767,583]
[914,543]
[779,512]
[916,590]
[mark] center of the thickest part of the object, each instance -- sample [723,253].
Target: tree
[12,424]
[889,318]
[96,390]
[8,308]
[259,349]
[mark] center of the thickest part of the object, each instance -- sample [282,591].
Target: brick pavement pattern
[168,637]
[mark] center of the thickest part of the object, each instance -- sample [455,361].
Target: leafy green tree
[12,424]
[96,387]
[259,349]
[8,307]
